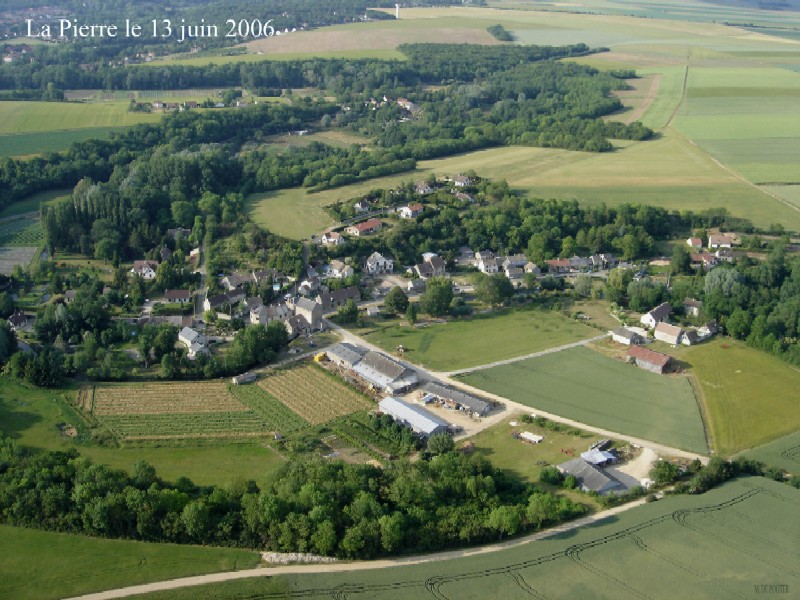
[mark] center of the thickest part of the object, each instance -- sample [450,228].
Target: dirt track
[353,566]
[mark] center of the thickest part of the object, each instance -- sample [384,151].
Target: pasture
[41,565]
[312,394]
[591,388]
[481,339]
[27,117]
[32,416]
[750,396]
[783,453]
[716,545]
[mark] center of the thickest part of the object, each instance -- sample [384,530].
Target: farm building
[146,269]
[337,298]
[248,377]
[719,241]
[690,338]
[695,243]
[378,264]
[655,316]
[412,210]
[484,255]
[361,206]
[422,188]
[365,228]
[266,314]
[332,238]
[310,310]
[531,267]
[623,335]
[598,458]
[384,373]
[558,265]
[669,334]
[231,282]
[423,422]
[649,359]
[296,326]
[178,296]
[590,478]
[706,260]
[345,355]
[456,398]
[416,286]
[19,321]
[432,267]
[462,181]
[692,307]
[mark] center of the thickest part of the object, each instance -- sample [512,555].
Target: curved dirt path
[183,582]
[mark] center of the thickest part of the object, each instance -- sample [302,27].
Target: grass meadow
[41,565]
[28,117]
[715,545]
[27,144]
[586,386]
[481,339]
[750,396]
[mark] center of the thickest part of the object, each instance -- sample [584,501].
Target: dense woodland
[329,508]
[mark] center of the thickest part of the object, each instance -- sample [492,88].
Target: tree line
[328,508]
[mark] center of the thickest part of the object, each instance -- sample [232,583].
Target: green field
[789,193]
[586,386]
[24,117]
[751,396]
[26,144]
[481,339]
[783,453]
[670,172]
[716,545]
[31,415]
[40,565]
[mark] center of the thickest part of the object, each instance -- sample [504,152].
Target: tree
[583,285]
[664,472]
[437,297]
[6,305]
[396,301]
[493,290]
[681,260]
[348,313]
[617,285]
[440,443]
[411,314]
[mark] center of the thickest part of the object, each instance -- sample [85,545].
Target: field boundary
[700,398]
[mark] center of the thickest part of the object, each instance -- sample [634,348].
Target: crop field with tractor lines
[312,394]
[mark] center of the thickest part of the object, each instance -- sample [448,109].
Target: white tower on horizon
[396,11]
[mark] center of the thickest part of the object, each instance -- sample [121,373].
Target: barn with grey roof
[384,373]
[422,421]
[456,398]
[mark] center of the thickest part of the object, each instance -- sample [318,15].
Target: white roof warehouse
[420,420]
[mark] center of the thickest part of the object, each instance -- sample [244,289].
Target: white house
[412,210]
[146,269]
[719,241]
[655,316]
[669,334]
[338,270]
[332,238]
[378,264]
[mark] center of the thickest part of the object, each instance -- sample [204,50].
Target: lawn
[23,117]
[520,458]
[586,386]
[481,339]
[783,453]
[31,415]
[40,565]
[715,545]
[751,397]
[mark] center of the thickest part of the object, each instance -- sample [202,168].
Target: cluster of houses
[513,266]
[719,249]
[656,322]
[582,264]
